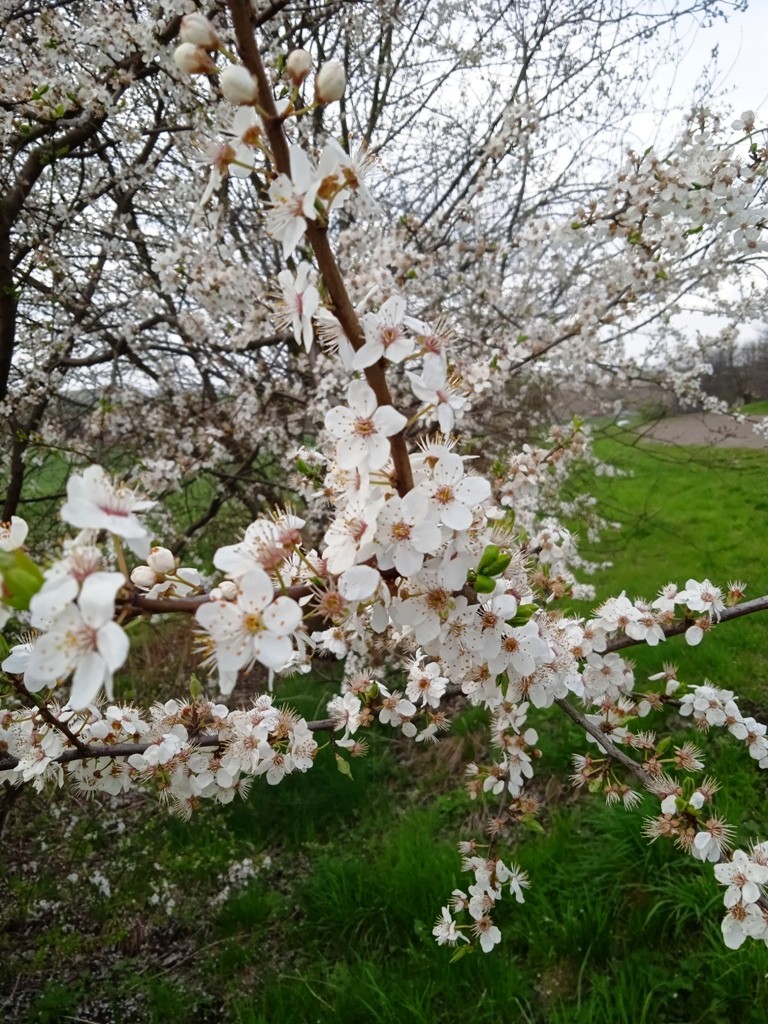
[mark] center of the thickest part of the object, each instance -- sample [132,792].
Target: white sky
[740,83]
[742,56]
[740,80]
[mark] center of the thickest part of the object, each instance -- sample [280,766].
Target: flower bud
[238,85]
[196,29]
[226,591]
[329,82]
[144,577]
[161,560]
[193,60]
[297,65]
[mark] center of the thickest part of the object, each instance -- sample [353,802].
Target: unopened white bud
[144,577]
[330,81]
[195,28]
[226,591]
[161,560]
[238,85]
[297,65]
[193,60]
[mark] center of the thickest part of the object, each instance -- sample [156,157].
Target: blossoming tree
[403,542]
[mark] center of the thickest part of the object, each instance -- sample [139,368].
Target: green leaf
[21,578]
[343,766]
[484,584]
[460,952]
[532,824]
[489,556]
[524,613]
[498,567]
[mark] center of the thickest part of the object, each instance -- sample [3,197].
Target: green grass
[333,922]
[687,512]
[755,408]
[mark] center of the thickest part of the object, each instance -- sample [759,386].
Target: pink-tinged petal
[282,617]
[97,597]
[272,651]
[87,681]
[359,583]
[113,644]
[362,398]
[388,420]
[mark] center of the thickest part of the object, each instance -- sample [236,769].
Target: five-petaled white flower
[363,428]
[385,334]
[299,303]
[83,639]
[256,626]
[95,502]
[293,202]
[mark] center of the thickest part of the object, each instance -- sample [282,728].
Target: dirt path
[706,429]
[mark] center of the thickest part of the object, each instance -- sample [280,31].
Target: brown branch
[604,741]
[85,752]
[759,604]
[49,717]
[317,234]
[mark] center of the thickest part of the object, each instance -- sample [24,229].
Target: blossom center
[389,335]
[253,623]
[401,530]
[364,427]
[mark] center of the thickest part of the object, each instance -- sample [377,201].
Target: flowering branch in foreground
[457,577]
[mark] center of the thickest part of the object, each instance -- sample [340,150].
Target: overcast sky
[742,58]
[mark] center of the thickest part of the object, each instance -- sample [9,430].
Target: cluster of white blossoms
[418,558]
[190,751]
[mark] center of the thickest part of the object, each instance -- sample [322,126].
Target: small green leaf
[460,952]
[343,766]
[489,556]
[484,584]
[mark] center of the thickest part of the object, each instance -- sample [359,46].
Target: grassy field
[314,901]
